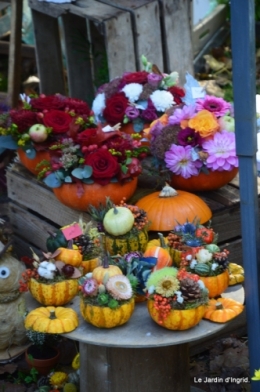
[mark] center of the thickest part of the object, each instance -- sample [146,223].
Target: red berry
[68,270]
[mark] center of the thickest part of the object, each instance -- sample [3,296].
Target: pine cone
[84,243]
[190,289]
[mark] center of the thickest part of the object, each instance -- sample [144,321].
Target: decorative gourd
[105,269]
[216,284]
[222,310]
[69,255]
[177,319]
[118,221]
[104,317]
[169,206]
[90,265]
[202,269]
[54,294]
[55,241]
[236,274]
[161,253]
[128,243]
[52,320]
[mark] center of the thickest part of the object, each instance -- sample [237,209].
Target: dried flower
[167,286]
[119,287]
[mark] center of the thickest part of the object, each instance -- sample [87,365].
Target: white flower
[162,100]
[46,269]
[203,256]
[133,91]
[189,257]
[201,284]
[99,104]
[193,263]
[214,266]
[180,298]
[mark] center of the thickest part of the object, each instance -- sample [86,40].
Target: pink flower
[189,137]
[222,151]
[179,115]
[179,160]
[215,105]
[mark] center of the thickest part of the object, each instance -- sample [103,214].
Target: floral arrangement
[197,136]
[137,97]
[43,120]
[198,247]
[173,289]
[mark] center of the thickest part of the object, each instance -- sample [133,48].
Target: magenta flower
[179,160]
[222,151]
[156,130]
[154,79]
[149,114]
[90,287]
[131,112]
[215,105]
[185,113]
[188,137]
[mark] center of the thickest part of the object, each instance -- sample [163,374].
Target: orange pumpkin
[105,269]
[204,182]
[161,253]
[222,310]
[31,164]
[70,256]
[167,208]
[90,265]
[94,194]
[216,284]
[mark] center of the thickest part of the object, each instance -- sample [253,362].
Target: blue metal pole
[244,80]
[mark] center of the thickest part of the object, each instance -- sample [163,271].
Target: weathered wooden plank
[48,53]
[22,248]
[53,10]
[177,36]
[24,189]
[5,24]
[27,51]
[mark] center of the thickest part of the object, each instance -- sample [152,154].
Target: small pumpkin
[90,265]
[169,206]
[104,317]
[236,274]
[177,319]
[31,164]
[54,294]
[105,270]
[118,221]
[216,284]
[222,310]
[70,255]
[128,243]
[161,253]
[52,320]
[56,240]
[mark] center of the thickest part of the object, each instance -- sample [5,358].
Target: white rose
[203,256]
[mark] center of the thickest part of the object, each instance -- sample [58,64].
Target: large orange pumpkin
[31,164]
[204,182]
[216,284]
[94,194]
[169,207]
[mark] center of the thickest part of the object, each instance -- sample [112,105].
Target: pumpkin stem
[168,191]
[115,210]
[52,315]
[162,242]
[219,306]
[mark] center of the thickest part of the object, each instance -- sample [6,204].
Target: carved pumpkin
[94,194]
[31,164]
[104,317]
[128,243]
[164,209]
[52,320]
[236,274]
[177,319]
[222,310]
[54,294]
[204,182]
[216,284]
[161,253]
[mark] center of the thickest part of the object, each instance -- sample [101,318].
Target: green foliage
[41,339]
[27,378]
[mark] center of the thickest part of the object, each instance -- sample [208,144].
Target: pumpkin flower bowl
[176,299]
[106,303]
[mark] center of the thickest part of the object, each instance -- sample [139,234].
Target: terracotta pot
[31,164]
[178,320]
[42,359]
[216,284]
[94,194]
[204,182]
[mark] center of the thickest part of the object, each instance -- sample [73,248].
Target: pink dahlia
[222,151]
[179,160]
[215,105]
[179,115]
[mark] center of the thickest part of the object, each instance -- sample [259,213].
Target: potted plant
[176,298]
[194,146]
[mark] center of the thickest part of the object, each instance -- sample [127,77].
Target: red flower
[44,102]
[87,137]
[135,77]
[24,119]
[115,108]
[79,106]
[57,120]
[104,165]
[177,93]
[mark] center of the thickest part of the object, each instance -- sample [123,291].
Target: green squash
[202,269]
[56,240]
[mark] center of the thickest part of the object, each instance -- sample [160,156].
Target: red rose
[48,102]
[24,119]
[135,77]
[177,93]
[79,106]
[104,165]
[87,137]
[57,120]
[114,111]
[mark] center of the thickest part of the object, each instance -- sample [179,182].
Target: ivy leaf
[52,181]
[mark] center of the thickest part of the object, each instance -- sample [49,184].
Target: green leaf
[87,171]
